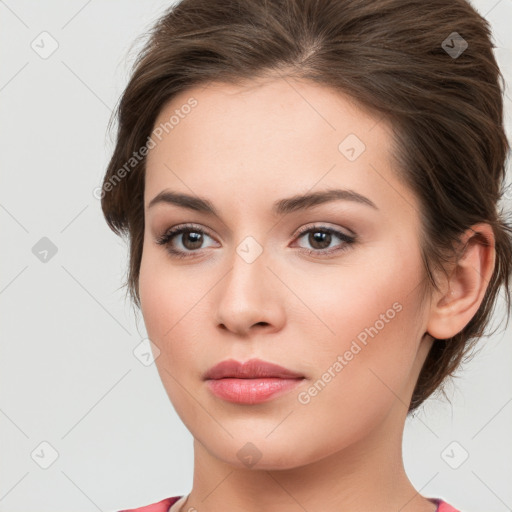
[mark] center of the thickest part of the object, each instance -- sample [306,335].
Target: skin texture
[242,148]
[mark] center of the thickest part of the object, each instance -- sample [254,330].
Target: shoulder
[160,506]
[445,507]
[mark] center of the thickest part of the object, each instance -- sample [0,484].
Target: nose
[249,298]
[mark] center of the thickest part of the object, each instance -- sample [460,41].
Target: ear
[461,295]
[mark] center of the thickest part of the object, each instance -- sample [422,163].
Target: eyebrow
[280,207]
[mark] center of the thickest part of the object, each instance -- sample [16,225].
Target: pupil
[193,240]
[321,238]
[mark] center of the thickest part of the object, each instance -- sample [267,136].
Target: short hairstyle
[426,67]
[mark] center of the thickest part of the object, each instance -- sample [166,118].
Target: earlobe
[461,296]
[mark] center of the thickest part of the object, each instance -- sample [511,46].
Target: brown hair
[399,59]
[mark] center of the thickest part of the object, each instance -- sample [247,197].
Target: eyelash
[167,237]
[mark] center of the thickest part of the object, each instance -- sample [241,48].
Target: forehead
[297,107]
[268,135]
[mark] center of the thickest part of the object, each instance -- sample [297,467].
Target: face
[328,288]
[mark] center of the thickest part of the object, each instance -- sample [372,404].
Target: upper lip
[251,369]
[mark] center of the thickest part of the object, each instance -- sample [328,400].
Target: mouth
[252,382]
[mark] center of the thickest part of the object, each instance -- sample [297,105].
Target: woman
[310,190]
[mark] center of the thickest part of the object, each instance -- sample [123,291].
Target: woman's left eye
[319,237]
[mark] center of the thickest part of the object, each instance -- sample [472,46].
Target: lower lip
[251,391]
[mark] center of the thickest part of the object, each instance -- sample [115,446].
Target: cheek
[171,306]
[351,300]
[366,371]
[172,309]
[161,292]
[375,320]
[157,297]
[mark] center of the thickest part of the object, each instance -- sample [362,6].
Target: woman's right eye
[189,237]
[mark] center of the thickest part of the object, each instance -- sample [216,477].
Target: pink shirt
[165,504]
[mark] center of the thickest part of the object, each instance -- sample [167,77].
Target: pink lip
[252,382]
[251,369]
[251,391]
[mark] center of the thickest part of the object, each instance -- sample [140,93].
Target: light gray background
[68,373]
